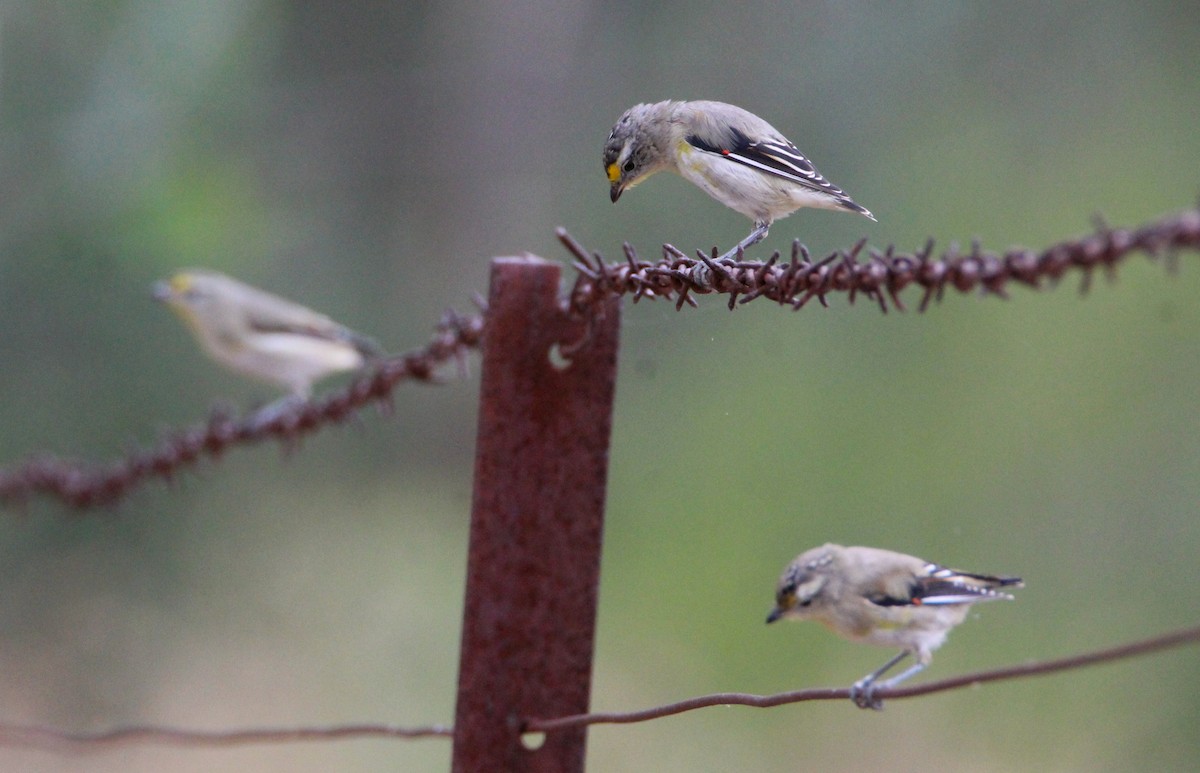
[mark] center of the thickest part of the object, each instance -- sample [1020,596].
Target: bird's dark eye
[628,166]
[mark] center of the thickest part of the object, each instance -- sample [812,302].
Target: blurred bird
[729,153]
[261,335]
[884,598]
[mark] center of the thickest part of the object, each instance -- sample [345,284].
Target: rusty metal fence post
[537,517]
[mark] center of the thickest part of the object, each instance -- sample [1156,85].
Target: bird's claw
[863,695]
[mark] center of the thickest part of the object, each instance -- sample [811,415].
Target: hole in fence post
[557,359]
[536,525]
[533,740]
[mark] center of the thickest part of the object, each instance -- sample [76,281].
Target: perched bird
[729,153]
[262,335]
[884,598]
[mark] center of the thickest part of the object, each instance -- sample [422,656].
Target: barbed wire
[792,283]
[83,485]
[53,739]
[883,275]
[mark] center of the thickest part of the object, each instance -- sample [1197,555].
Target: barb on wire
[84,485]
[55,740]
[881,277]
[1036,668]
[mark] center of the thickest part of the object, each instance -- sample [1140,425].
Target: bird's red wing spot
[917,602]
[725,152]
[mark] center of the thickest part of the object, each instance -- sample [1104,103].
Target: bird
[729,153]
[261,335]
[884,598]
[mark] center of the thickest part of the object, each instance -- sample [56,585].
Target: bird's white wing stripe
[739,158]
[791,159]
[966,598]
[809,178]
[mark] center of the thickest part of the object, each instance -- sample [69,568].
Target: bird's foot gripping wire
[703,274]
[863,691]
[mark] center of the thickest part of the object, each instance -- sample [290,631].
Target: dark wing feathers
[940,586]
[778,157]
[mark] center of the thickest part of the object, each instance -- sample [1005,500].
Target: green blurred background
[368,159]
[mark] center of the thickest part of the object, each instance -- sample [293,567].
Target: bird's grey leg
[912,670]
[863,691]
[757,235]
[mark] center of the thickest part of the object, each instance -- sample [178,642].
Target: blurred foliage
[367,160]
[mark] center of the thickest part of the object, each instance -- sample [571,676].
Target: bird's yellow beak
[614,177]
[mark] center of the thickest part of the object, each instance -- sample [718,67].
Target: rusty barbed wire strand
[55,740]
[82,485]
[1035,668]
[792,283]
[881,277]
